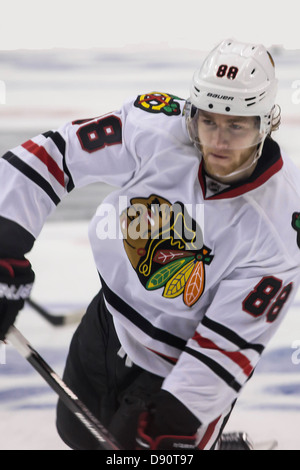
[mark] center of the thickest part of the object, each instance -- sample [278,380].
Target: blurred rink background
[45,89]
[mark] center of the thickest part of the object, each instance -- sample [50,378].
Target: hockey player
[200,263]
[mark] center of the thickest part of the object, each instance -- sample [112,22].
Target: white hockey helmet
[236,79]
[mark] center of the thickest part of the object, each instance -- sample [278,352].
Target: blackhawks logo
[165,248]
[158,103]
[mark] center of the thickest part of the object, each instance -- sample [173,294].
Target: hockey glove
[163,442]
[167,425]
[16,280]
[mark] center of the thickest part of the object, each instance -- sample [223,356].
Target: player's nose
[220,139]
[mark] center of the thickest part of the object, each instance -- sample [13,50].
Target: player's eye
[236,127]
[208,122]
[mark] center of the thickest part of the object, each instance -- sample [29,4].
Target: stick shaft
[105,439]
[56,320]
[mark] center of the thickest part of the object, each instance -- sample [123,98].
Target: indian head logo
[165,247]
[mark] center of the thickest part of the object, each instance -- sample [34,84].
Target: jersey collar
[269,163]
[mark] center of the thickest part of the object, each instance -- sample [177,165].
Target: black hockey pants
[97,373]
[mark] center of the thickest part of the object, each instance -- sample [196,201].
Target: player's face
[227,142]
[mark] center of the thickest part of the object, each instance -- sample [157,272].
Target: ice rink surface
[44,90]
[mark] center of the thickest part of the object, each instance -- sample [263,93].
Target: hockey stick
[105,439]
[56,320]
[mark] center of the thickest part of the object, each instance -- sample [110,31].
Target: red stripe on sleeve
[208,434]
[172,359]
[241,360]
[43,156]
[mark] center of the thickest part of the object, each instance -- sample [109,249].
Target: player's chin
[218,168]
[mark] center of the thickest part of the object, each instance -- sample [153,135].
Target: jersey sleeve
[222,354]
[36,175]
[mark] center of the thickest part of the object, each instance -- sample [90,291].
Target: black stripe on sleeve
[32,174]
[138,320]
[60,143]
[216,368]
[231,335]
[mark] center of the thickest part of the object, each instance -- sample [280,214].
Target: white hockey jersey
[198,276]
